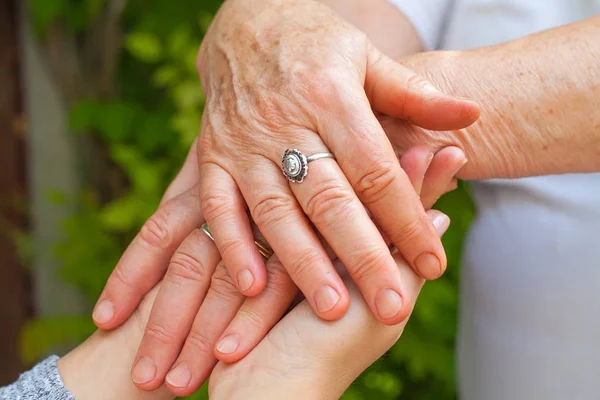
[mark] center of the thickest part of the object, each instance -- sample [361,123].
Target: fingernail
[144,370]
[228,344]
[428,265]
[326,298]
[441,222]
[104,312]
[245,279]
[388,303]
[180,376]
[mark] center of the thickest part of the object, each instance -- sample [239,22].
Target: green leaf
[116,121]
[145,175]
[83,115]
[188,94]
[144,46]
[179,42]
[204,21]
[187,125]
[165,76]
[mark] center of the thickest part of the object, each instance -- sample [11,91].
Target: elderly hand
[293,75]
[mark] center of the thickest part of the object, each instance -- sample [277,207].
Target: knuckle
[329,200]
[199,342]
[161,334]
[279,281]
[416,82]
[376,183]
[215,205]
[306,263]
[321,85]
[121,275]
[368,263]
[185,266]
[252,316]
[410,230]
[155,231]
[272,209]
[222,285]
[232,246]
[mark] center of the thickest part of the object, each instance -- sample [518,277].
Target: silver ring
[264,250]
[294,164]
[206,230]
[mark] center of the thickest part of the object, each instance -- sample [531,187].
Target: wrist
[521,131]
[488,149]
[100,368]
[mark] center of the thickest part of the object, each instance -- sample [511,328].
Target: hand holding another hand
[198,306]
[294,75]
[281,75]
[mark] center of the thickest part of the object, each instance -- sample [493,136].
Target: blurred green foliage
[147,129]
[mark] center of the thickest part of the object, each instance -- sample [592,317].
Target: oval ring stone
[294,165]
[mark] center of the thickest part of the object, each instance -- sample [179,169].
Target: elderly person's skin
[540,97]
[267,91]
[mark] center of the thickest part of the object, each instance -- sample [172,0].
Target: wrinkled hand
[292,74]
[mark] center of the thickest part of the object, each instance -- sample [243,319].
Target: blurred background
[99,103]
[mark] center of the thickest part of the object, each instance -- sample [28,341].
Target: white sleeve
[428,17]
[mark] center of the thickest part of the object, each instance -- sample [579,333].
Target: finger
[187,177]
[225,212]
[285,226]
[441,173]
[197,359]
[415,163]
[366,156]
[312,340]
[331,204]
[397,91]
[257,315]
[144,262]
[185,283]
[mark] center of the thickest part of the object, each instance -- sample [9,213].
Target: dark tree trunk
[15,293]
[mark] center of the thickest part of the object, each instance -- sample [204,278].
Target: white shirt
[530,290]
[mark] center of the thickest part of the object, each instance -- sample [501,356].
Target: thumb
[399,92]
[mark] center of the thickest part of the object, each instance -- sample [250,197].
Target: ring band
[206,230]
[294,164]
[264,250]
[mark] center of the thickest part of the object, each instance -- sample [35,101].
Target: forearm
[540,101]
[386,26]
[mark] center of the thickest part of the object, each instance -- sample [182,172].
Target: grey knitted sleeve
[43,382]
